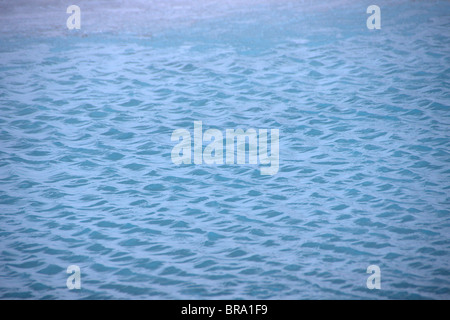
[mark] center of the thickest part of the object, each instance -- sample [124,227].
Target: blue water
[86,176]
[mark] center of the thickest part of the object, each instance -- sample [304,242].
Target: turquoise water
[86,176]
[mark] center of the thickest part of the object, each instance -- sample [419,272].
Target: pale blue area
[86,176]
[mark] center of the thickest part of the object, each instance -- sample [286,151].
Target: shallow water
[86,176]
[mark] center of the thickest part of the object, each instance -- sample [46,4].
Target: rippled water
[86,176]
